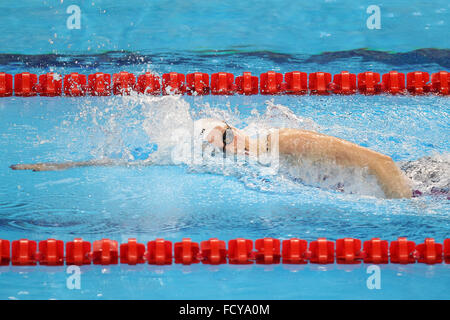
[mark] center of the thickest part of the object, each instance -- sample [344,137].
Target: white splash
[429,174]
[125,123]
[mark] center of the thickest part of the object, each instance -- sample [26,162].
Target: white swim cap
[203,127]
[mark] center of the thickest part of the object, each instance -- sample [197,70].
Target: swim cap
[203,127]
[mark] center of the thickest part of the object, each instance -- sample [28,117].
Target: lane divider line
[51,252]
[223,83]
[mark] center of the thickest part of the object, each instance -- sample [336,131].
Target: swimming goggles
[227,138]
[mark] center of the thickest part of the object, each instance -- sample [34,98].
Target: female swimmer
[300,145]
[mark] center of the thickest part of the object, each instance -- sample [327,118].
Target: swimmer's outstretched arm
[320,147]
[51,166]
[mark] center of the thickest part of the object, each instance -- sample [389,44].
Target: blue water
[187,201]
[173,202]
[301,26]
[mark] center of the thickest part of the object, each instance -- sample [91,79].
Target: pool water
[282,26]
[200,202]
[183,201]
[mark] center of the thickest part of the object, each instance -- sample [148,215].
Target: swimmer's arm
[53,166]
[320,147]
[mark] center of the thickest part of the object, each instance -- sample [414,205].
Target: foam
[430,174]
[169,122]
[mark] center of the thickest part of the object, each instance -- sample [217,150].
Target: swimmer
[301,145]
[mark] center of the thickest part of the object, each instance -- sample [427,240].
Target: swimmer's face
[234,140]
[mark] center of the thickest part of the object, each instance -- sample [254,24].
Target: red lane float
[271,82]
[213,251]
[240,251]
[24,253]
[123,83]
[369,83]
[132,252]
[105,252]
[186,252]
[75,84]
[376,251]
[296,82]
[344,83]
[393,83]
[267,251]
[173,83]
[319,83]
[440,82]
[402,251]
[222,83]
[50,85]
[321,251]
[416,82]
[247,84]
[149,83]
[51,252]
[197,84]
[348,251]
[6,87]
[78,252]
[99,84]
[159,252]
[25,84]
[294,251]
[429,252]
[447,250]
[5,255]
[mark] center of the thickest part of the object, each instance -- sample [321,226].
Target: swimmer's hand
[36,167]
[49,166]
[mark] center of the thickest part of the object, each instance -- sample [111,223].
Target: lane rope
[54,252]
[224,83]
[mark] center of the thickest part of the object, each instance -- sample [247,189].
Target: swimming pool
[173,202]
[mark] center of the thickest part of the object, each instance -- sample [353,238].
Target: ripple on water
[189,202]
